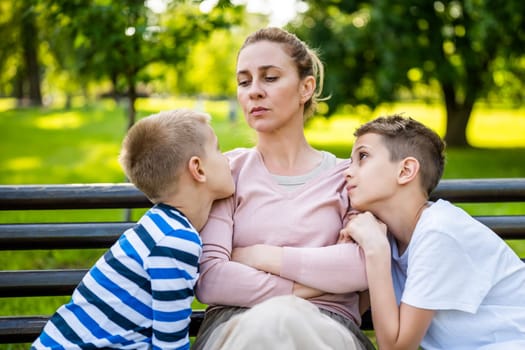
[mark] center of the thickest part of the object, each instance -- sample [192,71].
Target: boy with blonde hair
[138,295]
[437,277]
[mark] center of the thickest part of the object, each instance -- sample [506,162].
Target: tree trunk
[30,55]
[69,101]
[114,82]
[458,115]
[18,87]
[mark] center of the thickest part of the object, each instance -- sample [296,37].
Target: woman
[277,235]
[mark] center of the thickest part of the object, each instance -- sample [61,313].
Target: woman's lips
[256,111]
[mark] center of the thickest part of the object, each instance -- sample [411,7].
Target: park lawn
[81,145]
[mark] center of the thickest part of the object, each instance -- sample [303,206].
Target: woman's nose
[256,90]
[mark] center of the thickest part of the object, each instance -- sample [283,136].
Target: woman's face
[268,87]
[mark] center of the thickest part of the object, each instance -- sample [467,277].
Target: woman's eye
[243,82]
[362,155]
[271,78]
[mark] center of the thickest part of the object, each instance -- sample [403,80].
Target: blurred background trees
[450,52]
[454,51]
[109,45]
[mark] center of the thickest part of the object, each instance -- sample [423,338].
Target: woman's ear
[409,168]
[196,169]
[307,88]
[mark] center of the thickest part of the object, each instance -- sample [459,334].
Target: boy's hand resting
[366,230]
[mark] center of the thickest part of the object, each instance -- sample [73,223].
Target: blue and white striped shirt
[139,293]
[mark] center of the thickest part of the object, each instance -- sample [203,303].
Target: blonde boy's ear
[196,169]
[409,168]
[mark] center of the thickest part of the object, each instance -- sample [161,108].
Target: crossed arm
[330,269]
[246,276]
[269,259]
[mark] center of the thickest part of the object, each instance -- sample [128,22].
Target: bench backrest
[82,235]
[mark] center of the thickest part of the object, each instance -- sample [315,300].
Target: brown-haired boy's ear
[196,169]
[409,168]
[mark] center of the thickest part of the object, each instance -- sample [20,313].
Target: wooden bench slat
[28,283]
[21,329]
[481,190]
[82,196]
[103,235]
[61,235]
[506,226]
[25,329]
[125,195]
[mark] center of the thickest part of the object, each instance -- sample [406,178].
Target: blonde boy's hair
[406,137]
[157,147]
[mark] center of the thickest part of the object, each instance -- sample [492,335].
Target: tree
[375,50]
[210,66]
[117,40]
[19,47]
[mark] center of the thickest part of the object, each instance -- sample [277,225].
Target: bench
[81,235]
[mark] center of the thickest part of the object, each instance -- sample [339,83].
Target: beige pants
[281,323]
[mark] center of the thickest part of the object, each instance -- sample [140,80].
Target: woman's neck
[289,157]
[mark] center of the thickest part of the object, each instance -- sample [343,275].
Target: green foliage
[9,24]
[451,42]
[211,66]
[110,43]
[379,51]
[47,145]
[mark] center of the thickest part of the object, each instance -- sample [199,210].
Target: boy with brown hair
[138,295]
[437,277]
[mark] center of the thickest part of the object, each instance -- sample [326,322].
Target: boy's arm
[395,327]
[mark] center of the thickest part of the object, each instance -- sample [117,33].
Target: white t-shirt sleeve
[442,276]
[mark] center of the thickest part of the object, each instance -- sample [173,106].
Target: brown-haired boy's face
[218,167]
[371,175]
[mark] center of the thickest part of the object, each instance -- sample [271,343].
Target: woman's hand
[268,258]
[259,256]
[305,292]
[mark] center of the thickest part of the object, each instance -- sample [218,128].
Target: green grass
[81,145]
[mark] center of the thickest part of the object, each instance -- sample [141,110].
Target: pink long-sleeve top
[305,221]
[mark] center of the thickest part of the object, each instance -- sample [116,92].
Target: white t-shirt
[463,270]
